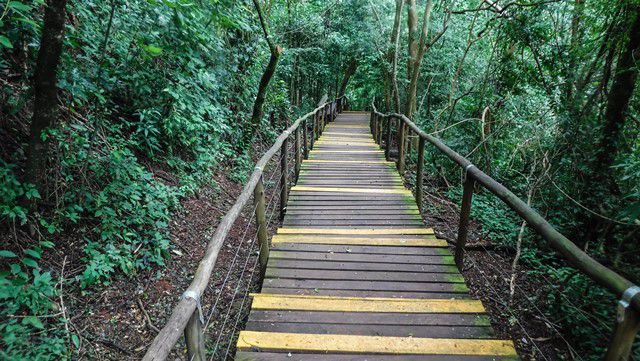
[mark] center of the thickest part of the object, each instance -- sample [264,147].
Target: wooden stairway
[354,274]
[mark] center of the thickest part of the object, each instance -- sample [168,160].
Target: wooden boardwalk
[354,274]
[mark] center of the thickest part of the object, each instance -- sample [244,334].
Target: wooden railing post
[326,116]
[379,131]
[313,131]
[194,337]
[298,154]
[371,117]
[375,126]
[305,140]
[463,227]
[626,329]
[284,176]
[387,146]
[419,172]
[261,221]
[401,136]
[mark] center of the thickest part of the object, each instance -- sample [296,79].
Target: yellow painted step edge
[379,152]
[346,126]
[361,241]
[264,341]
[355,304]
[351,190]
[327,133]
[347,139]
[355,231]
[349,161]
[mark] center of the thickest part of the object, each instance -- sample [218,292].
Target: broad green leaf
[76,340]
[29,262]
[47,244]
[153,50]
[32,320]
[33,253]
[17,5]
[7,254]
[4,41]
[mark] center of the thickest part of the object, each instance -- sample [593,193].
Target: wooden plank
[362,275]
[371,318]
[262,301]
[302,212]
[357,216]
[386,190]
[346,204]
[458,332]
[359,206]
[359,266]
[268,341]
[367,293]
[364,135]
[362,241]
[355,231]
[361,249]
[293,356]
[359,257]
[347,162]
[366,285]
[351,223]
[346,126]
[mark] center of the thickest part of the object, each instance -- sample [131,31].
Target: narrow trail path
[354,274]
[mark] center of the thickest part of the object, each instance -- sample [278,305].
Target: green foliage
[32,327]
[12,192]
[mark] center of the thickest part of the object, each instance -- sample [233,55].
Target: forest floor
[488,274]
[120,321]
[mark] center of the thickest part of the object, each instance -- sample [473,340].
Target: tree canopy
[112,112]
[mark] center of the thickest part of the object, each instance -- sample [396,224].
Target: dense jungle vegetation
[111,112]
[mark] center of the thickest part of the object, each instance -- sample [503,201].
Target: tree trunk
[624,82]
[351,69]
[258,113]
[602,183]
[392,56]
[417,48]
[45,108]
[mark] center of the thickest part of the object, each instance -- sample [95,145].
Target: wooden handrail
[628,320]
[189,305]
[582,261]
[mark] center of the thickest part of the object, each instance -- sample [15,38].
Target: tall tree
[269,71]
[45,108]
[392,57]
[417,48]
[352,65]
[624,82]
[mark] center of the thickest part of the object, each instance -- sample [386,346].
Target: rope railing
[628,308]
[187,317]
